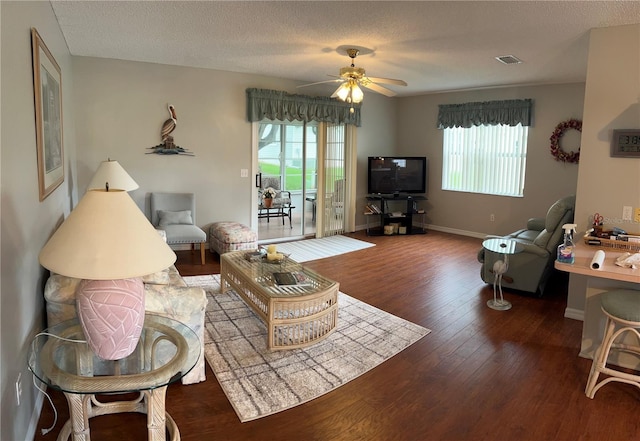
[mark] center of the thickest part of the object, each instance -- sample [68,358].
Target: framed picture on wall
[47,88]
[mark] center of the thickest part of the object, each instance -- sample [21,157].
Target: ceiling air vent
[509,59]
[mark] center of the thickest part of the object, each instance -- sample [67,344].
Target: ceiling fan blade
[388,81]
[377,88]
[320,82]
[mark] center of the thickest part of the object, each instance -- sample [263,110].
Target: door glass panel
[311,179]
[287,161]
[269,152]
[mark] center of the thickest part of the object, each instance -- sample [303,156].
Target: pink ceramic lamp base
[111,314]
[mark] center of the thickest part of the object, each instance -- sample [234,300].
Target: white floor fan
[352,77]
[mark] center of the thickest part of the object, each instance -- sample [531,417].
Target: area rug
[259,382]
[313,249]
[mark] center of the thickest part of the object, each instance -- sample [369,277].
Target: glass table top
[502,245]
[167,351]
[263,273]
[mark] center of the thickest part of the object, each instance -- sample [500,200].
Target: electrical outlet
[636,215]
[492,217]
[627,212]
[19,389]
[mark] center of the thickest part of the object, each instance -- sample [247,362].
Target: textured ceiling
[432,45]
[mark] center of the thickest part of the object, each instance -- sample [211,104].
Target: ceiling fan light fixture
[350,92]
[356,93]
[343,91]
[353,79]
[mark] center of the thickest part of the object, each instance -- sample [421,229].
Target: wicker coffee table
[295,315]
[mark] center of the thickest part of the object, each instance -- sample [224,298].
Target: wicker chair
[622,309]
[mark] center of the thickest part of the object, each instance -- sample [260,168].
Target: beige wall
[375,138]
[26,222]
[612,101]
[546,179]
[125,103]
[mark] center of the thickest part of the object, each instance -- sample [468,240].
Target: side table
[505,247]
[167,351]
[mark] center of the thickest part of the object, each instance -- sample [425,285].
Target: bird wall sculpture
[167,146]
[170,124]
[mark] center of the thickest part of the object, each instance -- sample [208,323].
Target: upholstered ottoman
[231,236]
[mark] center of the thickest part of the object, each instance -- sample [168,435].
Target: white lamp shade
[112,172]
[350,92]
[356,93]
[106,237]
[343,91]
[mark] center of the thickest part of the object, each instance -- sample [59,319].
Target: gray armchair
[530,269]
[175,213]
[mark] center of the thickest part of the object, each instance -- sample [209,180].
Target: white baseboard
[575,314]
[442,229]
[457,231]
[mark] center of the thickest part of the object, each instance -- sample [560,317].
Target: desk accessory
[598,260]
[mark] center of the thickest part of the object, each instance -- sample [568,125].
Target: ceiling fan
[353,77]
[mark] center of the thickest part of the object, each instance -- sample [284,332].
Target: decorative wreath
[556,150]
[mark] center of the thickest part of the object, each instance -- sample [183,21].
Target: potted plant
[267,195]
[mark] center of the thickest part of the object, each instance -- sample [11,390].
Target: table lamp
[109,243]
[113,173]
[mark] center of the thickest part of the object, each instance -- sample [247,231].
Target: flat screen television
[397,174]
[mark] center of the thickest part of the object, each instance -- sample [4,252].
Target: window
[488,159]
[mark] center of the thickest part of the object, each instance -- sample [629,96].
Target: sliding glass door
[312,166]
[287,162]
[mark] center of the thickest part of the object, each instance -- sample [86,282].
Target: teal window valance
[282,106]
[508,112]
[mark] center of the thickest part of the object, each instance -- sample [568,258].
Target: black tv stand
[378,205]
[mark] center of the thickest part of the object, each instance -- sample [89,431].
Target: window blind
[334,171]
[485,159]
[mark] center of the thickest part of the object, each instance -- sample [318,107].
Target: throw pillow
[174,218]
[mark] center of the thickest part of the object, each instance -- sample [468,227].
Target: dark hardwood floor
[479,375]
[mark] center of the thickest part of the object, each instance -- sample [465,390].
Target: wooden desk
[584,255]
[598,281]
